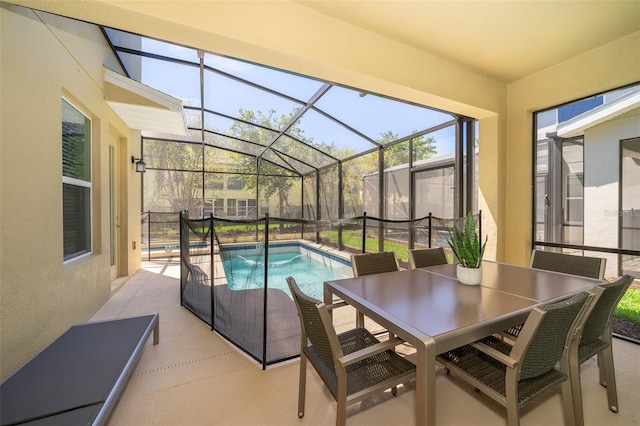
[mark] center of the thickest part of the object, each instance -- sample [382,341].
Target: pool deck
[194,377]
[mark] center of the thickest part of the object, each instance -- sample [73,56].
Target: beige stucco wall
[43,59]
[608,67]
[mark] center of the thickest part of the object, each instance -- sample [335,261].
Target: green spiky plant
[466,243]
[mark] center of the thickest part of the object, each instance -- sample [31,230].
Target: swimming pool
[244,267]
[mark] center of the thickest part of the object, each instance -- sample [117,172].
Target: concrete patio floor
[194,377]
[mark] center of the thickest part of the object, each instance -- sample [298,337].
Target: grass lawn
[629,306]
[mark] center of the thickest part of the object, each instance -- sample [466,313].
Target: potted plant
[467,248]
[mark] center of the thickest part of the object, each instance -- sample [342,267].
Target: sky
[370,114]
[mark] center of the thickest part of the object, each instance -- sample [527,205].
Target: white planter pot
[469,276]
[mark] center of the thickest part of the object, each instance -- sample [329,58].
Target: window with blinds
[76,181]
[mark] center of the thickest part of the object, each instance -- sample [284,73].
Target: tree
[273,179]
[178,185]
[268,168]
[395,155]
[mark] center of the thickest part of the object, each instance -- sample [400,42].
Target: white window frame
[66,180]
[242,207]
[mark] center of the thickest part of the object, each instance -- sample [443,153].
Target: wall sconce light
[141,166]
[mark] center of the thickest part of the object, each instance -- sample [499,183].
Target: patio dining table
[432,311]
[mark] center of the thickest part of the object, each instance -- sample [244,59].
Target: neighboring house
[231,201]
[588,177]
[434,191]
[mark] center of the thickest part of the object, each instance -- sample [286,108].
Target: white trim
[76,182]
[161,113]
[143,90]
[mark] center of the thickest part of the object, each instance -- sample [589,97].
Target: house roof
[598,115]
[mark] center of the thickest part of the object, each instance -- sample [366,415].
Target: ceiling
[505,40]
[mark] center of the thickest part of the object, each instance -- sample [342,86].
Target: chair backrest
[599,320]
[421,258]
[373,263]
[590,267]
[546,335]
[314,320]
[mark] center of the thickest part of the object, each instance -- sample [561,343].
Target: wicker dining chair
[373,263]
[584,266]
[369,264]
[596,339]
[422,258]
[354,365]
[516,375]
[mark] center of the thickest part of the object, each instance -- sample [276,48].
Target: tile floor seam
[184,363]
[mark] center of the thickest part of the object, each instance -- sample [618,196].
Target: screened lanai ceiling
[299,123]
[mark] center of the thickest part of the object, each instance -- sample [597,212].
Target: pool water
[247,271]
